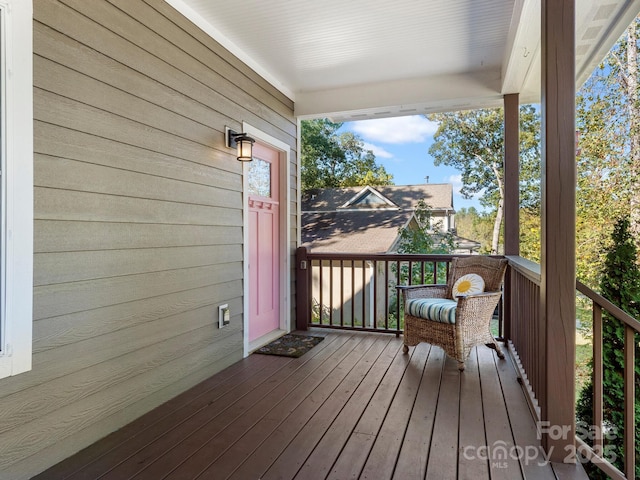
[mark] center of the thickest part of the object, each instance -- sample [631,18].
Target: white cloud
[377,151]
[415,129]
[456,182]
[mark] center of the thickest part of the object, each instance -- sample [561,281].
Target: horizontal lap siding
[138,220]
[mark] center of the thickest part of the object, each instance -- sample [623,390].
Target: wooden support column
[558,288]
[511,198]
[511,174]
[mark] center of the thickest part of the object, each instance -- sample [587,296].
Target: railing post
[303,290]
[506,307]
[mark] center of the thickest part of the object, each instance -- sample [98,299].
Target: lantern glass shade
[245,149]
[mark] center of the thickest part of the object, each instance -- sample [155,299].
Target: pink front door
[264,242]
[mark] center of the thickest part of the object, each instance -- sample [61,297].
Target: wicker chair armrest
[423,291]
[481,295]
[476,311]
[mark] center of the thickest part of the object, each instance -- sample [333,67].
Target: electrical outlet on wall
[224,315]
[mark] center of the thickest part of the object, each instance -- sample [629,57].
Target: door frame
[285,227]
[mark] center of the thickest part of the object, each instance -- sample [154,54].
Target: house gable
[368,198]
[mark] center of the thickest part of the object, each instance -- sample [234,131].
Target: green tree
[330,159]
[477,226]
[608,157]
[423,237]
[473,142]
[620,284]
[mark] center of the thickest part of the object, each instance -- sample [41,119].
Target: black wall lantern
[241,141]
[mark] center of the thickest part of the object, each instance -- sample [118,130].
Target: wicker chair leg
[497,348]
[405,348]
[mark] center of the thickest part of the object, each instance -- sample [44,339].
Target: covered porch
[141,236]
[352,407]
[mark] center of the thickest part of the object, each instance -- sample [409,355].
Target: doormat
[290,345]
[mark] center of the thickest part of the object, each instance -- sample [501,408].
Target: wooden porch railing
[596,453]
[357,291]
[525,334]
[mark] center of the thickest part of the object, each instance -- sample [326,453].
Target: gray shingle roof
[352,232]
[439,196]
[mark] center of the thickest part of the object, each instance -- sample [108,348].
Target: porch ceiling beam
[523,46]
[403,97]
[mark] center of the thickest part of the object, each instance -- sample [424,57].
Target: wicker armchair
[472,312]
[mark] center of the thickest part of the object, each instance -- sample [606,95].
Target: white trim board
[16,263]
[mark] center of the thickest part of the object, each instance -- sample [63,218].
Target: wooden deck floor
[352,407]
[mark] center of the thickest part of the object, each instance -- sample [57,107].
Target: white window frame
[16,186]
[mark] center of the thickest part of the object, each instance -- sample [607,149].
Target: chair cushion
[440,310]
[468,285]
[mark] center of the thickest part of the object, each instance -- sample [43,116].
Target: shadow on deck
[353,407]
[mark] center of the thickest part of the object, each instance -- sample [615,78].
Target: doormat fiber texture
[290,345]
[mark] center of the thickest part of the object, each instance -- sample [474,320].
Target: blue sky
[402,144]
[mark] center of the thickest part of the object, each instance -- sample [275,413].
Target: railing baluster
[364,296]
[374,278]
[410,282]
[397,283]
[353,292]
[629,402]
[386,295]
[330,292]
[598,420]
[320,295]
[342,293]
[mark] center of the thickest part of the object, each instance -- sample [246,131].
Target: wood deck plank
[355,452]
[173,448]
[443,456]
[282,453]
[319,462]
[534,465]
[503,462]
[308,396]
[412,461]
[140,428]
[382,458]
[471,463]
[173,417]
[353,407]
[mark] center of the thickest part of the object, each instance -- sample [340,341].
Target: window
[259,178]
[16,186]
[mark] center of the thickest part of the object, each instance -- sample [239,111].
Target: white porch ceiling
[356,59]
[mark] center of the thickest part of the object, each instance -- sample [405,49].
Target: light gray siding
[138,220]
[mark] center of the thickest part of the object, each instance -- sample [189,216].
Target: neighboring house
[367,220]
[127,224]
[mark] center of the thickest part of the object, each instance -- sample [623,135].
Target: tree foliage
[477,226]
[424,238]
[330,159]
[608,164]
[620,284]
[473,142]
